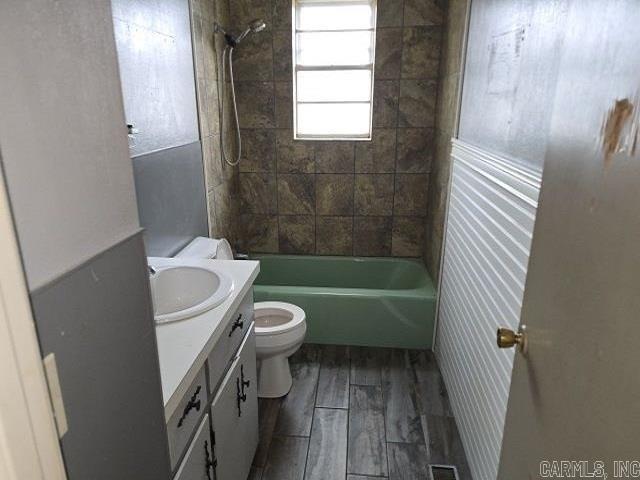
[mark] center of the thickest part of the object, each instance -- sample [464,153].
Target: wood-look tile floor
[358,413]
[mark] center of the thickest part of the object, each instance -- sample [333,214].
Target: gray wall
[510,76]
[171,196]
[157,72]
[62,134]
[156,69]
[71,189]
[97,320]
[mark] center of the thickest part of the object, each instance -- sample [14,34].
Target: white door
[575,396]
[29,447]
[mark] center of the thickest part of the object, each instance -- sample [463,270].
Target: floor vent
[443,472]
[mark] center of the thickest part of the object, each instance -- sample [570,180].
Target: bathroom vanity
[209,386]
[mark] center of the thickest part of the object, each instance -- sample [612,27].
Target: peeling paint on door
[619,132]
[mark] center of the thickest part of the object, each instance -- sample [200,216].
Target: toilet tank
[202,247]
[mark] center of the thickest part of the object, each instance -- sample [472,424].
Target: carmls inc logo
[589,469]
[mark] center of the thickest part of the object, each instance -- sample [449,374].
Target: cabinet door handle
[243,382]
[189,406]
[240,397]
[237,324]
[208,463]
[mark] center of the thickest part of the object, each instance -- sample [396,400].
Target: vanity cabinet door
[184,420]
[224,350]
[234,415]
[198,462]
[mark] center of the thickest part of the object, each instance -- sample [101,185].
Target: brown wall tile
[261,233]
[296,194]
[374,194]
[256,104]
[254,59]
[282,56]
[379,155]
[281,14]
[335,157]
[243,11]
[303,196]
[334,235]
[294,156]
[334,194]
[408,236]
[388,53]
[390,13]
[421,52]
[422,12]
[258,192]
[258,150]
[417,103]
[222,183]
[211,159]
[372,236]
[410,196]
[385,103]
[297,234]
[415,150]
[447,115]
[284,104]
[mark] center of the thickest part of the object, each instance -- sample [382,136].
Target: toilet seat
[275,318]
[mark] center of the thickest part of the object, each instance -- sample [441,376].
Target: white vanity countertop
[184,345]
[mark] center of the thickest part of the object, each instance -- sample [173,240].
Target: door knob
[507,338]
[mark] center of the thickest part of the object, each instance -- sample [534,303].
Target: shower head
[257,25]
[254,26]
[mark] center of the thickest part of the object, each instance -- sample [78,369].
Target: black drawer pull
[241,397]
[237,324]
[189,406]
[208,463]
[243,382]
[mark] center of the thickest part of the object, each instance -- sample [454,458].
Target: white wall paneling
[492,208]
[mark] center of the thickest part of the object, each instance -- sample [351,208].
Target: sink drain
[443,472]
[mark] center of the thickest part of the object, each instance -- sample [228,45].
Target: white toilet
[280,329]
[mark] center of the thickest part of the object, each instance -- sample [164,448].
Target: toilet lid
[272,318]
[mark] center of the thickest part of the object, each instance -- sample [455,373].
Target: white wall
[62,133]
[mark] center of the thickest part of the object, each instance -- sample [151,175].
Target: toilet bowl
[280,328]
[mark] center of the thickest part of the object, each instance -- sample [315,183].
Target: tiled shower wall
[336,197]
[447,112]
[221,179]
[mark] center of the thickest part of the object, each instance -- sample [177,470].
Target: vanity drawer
[224,350]
[184,420]
[234,415]
[198,462]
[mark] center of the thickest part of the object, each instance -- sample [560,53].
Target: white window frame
[296,68]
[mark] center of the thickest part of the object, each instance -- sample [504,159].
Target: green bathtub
[383,302]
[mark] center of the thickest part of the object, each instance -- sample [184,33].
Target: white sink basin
[183,292]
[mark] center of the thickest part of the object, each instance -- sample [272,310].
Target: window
[333,53]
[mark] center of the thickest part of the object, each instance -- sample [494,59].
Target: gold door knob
[507,338]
